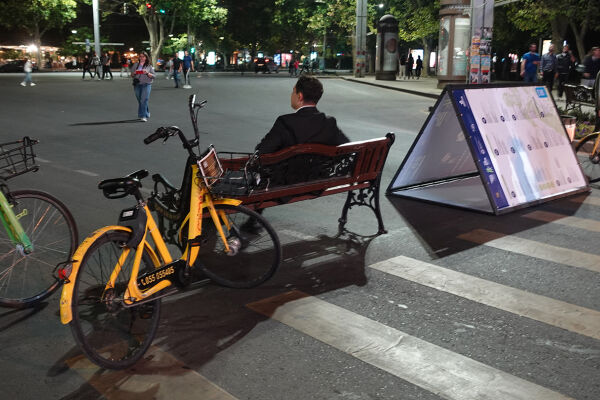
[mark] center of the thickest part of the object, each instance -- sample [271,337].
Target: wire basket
[17,158]
[238,182]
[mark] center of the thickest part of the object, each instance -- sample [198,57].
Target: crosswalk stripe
[447,374]
[543,251]
[180,382]
[558,313]
[574,222]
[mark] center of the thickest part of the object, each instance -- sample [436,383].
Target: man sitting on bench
[306,125]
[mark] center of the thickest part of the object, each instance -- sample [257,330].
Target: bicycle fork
[13,228]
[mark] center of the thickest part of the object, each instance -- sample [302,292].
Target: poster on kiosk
[491,148]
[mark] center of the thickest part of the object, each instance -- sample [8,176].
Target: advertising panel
[520,143]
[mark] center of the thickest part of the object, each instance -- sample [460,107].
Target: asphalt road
[345,318]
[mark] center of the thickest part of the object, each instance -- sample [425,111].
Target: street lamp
[74,31]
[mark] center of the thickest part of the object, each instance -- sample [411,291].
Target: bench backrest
[311,162]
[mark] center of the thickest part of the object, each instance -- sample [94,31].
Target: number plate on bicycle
[168,271]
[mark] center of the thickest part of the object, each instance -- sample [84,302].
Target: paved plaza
[449,304]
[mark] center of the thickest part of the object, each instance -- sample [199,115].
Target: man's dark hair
[310,87]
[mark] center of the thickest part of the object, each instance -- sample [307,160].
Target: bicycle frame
[13,228]
[200,198]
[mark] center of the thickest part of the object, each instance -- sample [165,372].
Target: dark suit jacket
[307,125]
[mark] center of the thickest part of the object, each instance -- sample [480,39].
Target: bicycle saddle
[117,188]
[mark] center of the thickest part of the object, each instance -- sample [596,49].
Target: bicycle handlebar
[159,134]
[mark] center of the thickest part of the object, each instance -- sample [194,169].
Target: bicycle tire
[28,279]
[258,254]
[590,163]
[110,335]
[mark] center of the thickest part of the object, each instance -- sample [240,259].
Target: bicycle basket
[17,158]
[239,182]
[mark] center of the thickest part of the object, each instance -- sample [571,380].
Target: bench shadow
[438,227]
[196,327]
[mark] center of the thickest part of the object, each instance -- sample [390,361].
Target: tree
[555,17]
[37,17]
[418,21]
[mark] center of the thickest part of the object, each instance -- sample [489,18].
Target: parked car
[265,64]
[15,66]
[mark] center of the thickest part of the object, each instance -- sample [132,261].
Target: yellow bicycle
[112,296]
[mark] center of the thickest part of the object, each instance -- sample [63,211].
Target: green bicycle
[39,235]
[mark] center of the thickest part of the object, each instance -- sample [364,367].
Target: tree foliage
[37,16]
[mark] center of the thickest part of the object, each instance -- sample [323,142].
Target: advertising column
[386,56]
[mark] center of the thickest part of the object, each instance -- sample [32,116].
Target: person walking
[87,67]
[419,67]
[169,68]
[142,73]
[529,64]
[548,67]
[106,66]
[97,65]
[177,67]
[402,66]
[188,66]
[564,63]
[409,66]
[27,68]
[591,66]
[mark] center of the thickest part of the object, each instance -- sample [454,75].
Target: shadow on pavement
[125,121]
[196,327]
[15,316]
[438,227]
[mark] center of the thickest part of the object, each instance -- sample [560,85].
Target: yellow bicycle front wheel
[110,333]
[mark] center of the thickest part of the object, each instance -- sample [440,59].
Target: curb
[415,92]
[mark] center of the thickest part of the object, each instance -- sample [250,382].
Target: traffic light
[193,50]
[162,11]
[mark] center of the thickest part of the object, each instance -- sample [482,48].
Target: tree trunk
[559,26]
[156,31]
[579,39]
[426,55]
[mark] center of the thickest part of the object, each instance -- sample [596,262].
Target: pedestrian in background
[27,68]
[188,66]
[402,66]
[548,67]
[106,66]
[529,64]
[87,67]
[177,67]
[96,65]
[124,66]
[409,66]
[142,73]
[418,67]
[591,66]
[564,64]
[169,68]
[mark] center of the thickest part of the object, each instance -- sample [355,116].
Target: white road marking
[574,222]
[162,377]
[581,320]
[88,173]
[40,159]
[531,248]
[440,371]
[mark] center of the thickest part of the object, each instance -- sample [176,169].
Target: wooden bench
[309,171]
[576,96]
